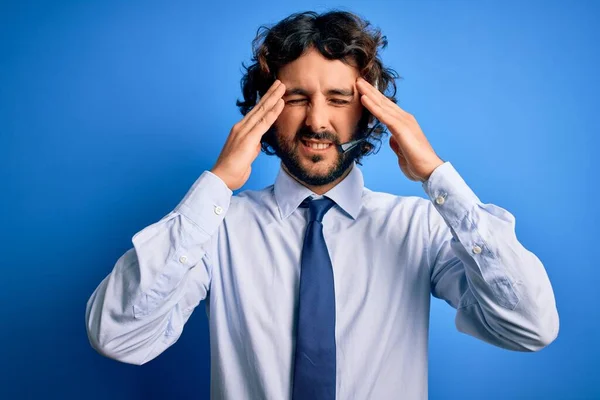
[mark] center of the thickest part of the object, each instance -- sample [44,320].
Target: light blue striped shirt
[389,253]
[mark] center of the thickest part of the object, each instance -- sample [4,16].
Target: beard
[289,153]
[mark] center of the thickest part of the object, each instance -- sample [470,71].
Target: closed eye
[334,101]
[296,101]
[340,101]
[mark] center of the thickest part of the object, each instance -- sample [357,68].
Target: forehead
[312,71]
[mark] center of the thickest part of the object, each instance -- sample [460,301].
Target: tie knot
[317,208]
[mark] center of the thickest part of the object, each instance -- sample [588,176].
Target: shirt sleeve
[500,289]
[139,309]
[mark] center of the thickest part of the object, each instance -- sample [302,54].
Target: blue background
[110,110]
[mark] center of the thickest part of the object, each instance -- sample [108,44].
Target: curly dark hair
[337,35]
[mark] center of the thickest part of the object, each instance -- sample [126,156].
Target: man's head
[318,58]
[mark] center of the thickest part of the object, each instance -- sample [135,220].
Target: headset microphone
[344,147]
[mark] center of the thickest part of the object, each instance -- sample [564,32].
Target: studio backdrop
[110,110]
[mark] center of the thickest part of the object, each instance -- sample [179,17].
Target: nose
[317,117]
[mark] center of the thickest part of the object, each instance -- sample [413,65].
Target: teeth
[319,146]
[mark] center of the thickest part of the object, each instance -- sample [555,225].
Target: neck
[322,189]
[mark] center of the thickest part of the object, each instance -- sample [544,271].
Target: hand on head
[234,164]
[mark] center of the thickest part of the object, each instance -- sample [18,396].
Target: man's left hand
[416,157]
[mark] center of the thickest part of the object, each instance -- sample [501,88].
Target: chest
[375,262]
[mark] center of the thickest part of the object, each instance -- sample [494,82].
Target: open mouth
[316,145]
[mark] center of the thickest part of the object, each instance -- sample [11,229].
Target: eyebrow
[330,92]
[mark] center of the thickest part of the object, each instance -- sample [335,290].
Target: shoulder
[381,201]
[252,202]
[384,207]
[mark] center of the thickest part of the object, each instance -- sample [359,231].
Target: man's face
[322,109]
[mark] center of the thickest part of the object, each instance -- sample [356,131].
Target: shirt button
[476,249]
[440,200]
[218,210]
[183,259]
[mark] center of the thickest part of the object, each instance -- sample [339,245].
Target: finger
[375,108]
[375,95]
[259,99]
[263,125]
[366,88]
[263,106]
[369,90]
[258,107]
[392,120]
[273,86]
[390,116]
[267,107]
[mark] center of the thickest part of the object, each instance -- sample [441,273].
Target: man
[317,287]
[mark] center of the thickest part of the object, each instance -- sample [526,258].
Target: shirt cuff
[450,194]
[206,202]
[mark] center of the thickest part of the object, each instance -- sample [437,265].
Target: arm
[139,309]
[500,289]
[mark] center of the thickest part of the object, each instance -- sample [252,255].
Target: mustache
[307,134]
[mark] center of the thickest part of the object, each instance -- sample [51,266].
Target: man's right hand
[243,144]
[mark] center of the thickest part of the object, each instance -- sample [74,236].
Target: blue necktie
[314,363]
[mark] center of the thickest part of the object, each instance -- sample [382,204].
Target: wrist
[431,169]
[219,174]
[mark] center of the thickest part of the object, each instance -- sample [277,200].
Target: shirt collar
[347,194]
